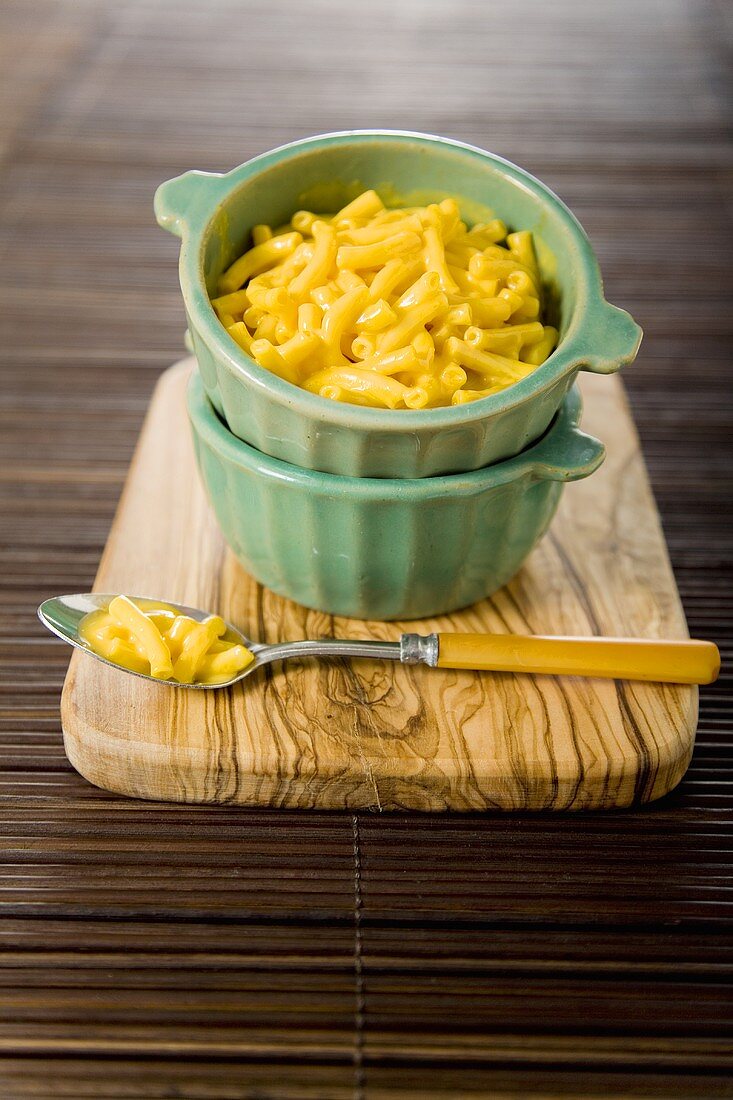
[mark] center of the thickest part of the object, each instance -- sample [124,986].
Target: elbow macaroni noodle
[153,638]
[403,309]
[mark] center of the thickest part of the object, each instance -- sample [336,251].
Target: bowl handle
[614,333]
[177,199]
[565,454]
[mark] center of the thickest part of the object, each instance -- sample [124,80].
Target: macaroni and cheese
[403,309]
[155,639]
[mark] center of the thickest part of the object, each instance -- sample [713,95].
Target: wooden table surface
[158,950]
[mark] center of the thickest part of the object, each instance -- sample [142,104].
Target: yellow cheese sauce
[155,639]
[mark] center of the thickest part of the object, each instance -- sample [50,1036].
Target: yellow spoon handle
[684,662]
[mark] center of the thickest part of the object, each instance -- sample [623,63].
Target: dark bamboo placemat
[156,950]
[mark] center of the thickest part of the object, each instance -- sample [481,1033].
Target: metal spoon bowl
[62,615]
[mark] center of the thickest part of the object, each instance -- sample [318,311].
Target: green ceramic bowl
[381,548]
[214,214]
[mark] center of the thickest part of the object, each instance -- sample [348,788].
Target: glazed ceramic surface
[381,548]
[214,215]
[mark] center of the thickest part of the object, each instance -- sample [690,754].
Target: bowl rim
[571,354]
[208,428]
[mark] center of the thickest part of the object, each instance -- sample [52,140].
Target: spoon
[680,662]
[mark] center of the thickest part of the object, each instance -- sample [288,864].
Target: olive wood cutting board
[382,736]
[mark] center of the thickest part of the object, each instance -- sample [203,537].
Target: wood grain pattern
[508,955]
[379,735]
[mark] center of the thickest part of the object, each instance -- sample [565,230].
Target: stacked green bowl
[396,513]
